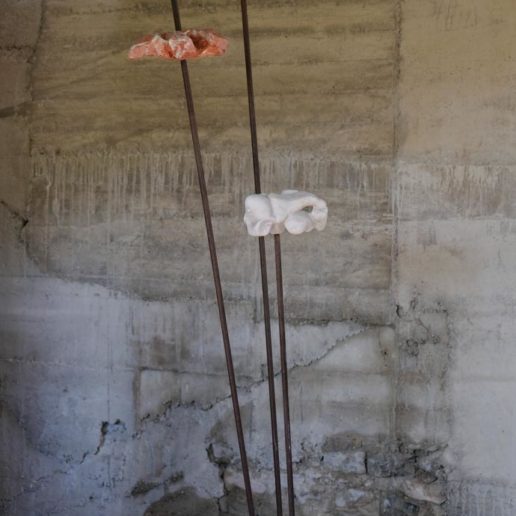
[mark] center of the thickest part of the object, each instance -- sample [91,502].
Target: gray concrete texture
[400,316]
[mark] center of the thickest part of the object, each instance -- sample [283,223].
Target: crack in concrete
[15,214]
[34,486]
[172,404]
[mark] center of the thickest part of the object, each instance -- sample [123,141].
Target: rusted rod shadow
[215,269]
[284,374]
[263,261]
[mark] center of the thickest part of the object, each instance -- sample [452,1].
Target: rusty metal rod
[263,261]
[284,374]
[215,269]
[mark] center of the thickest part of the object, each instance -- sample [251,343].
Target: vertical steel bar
[215,269]
[284,374]
[263,261]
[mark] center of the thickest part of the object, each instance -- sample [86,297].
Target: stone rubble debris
[180,45]
[417,490]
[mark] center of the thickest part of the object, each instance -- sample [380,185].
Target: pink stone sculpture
[179,45]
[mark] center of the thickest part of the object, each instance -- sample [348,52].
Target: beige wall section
[458,82]
[19,27]
[324,86]
[456,238]
[304,55]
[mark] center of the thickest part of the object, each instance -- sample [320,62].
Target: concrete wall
[113,389]
[455,245]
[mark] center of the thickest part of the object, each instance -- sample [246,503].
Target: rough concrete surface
[114,400]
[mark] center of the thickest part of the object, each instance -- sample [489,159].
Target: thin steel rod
[270,375]
[284,374]
[263,261]
[215,269]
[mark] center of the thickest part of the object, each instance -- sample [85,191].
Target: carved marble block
[291,210]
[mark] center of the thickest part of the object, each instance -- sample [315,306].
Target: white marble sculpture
[297,212]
